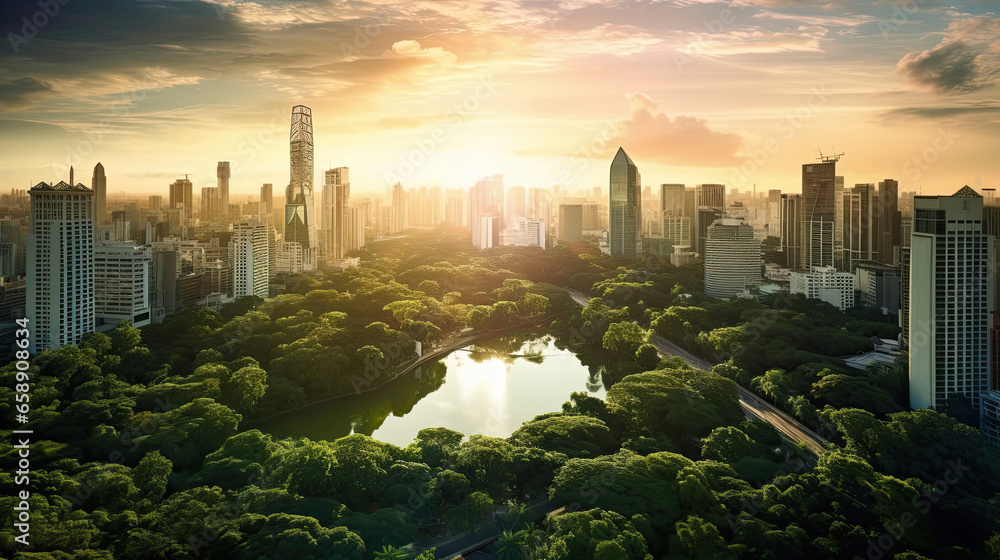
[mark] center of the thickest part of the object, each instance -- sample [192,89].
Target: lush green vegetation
[142,449]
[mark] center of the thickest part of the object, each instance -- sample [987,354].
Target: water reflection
[489,388]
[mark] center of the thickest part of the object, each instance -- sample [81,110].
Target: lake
[489,388]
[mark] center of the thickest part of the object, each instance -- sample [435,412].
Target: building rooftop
[60,186]
[968,192]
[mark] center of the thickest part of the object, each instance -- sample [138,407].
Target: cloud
[964,61]
[400,122]
[411,48]
[21,93]
[681,140]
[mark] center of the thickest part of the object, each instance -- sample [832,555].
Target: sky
[443,92]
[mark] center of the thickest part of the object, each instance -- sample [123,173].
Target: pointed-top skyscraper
[100,187]
[299,194]
[625,208]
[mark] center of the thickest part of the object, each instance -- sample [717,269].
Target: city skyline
[443,94]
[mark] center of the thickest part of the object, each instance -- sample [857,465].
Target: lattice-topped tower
[299,194]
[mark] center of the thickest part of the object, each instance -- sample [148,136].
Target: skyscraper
[676,226]
[181,196]
[792,230]
[249,257]
[625,207]
[860,237]
[570,222]
[819,186]
[299,227]
[888,221]
[266,202]
[732,259]
[709,205]
[210,210]
[336,197]
[222,175]
[398,218]
[60,279]
[486,199]
[516,203]
[100,187]
[950,299]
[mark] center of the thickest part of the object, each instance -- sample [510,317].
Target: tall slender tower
[60,279]
[299,226]
[336,197]
[222,173]
[100,187]
[625,207]
[819,188]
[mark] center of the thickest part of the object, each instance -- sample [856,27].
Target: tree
[647,356]
[244,389]
[404,310]
[150,475]
[624,337]
[511,546]
[124,337]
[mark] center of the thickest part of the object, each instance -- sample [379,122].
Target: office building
[516,203]
[732,259]
[60,264]
[888,221]
[336,197]
[570,222]
[398,218]
[489,232]
[951,297]
[485,200]
[182,198]
[860,235]
[625,208]
[249,258]
[525,232]
[825,283]
[819,211]
[121,284]
[878,285]
[709,206]
[210,204]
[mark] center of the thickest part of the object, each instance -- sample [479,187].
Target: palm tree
[533,538]
[510,546]
[517,516]
[390,552]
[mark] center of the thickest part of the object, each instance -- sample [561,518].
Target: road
[753,405]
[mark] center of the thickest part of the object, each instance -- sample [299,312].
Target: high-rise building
[155,202]
[773,214]
[819,211]
[249,257]
[210,204]
[860,235]
[709,205]
[516,203]
[570,222]
[222,174]
[950,299]
[525,232]
[456,209]
[100,187]
[266,202]
[825,283]
[676,226]
[163,282]
[299,226]
[336,197]
[60,279]
[357,223]
[732,259]
[398,216]
[121,283]
[485,199]
[182,197]
[625,208]
[792,230]
[888,222]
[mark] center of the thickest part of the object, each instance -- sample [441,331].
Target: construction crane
[829,159]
